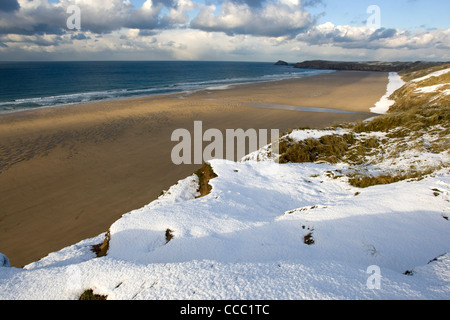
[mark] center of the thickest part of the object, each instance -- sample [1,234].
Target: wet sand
[67,173]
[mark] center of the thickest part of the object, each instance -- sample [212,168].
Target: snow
[434,89]
[430,89]
[298,135]
[433,74]
[395,83]
[245,240]
[4,261]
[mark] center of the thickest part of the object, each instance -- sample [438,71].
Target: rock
[4,261]
[281,63]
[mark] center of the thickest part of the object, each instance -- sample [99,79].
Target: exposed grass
[408,75]
[205,173]
[90,295]
[308,239]
[169,235]
[412,117]
[330,148]
[416,122]
[365,181]
[102,249]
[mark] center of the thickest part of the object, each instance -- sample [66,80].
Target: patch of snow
[183,190]
[395,83]
[431,89]
[298,135]
[433,74]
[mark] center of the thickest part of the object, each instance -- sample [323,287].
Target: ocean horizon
[31,85]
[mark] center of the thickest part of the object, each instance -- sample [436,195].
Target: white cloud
[366,38]
[178,15]
[227,30]
[277,18]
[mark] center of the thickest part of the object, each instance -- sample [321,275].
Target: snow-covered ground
[267,231]
[246,240]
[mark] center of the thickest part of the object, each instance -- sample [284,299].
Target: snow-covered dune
[273,231]
[247,240]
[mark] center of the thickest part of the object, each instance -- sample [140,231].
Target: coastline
[70,172]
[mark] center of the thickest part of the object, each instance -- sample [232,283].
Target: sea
[30,85]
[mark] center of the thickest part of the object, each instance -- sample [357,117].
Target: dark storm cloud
[9,5]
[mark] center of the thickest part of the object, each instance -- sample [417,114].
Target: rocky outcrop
[281,63]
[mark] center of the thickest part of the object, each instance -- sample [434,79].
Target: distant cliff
[365,66]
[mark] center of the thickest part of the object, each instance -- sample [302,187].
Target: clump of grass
[365,181]
[90,295]
[205,173]
[329,148]
[308,239]
[102,249]
[169,235]
[368,181]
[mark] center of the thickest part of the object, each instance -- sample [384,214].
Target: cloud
[201,29]
[99,16]
[33,17]
[178,14]
[9,5]
[365,38]
[277,18]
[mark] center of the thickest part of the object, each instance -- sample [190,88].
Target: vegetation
[169,235]
[102,249]
[90,295]
[205,173]
[330,148]
[365,181]
[415,114]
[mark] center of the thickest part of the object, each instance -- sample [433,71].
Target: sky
[225,30]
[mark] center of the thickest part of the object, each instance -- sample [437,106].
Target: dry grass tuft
[205,173]
[102,249]
[90,295]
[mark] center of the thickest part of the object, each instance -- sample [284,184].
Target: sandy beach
[67,173]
